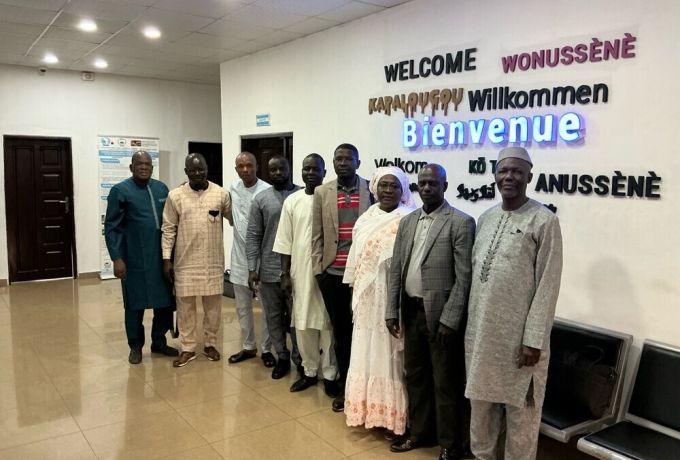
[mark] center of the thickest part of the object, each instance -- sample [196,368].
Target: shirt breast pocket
[214,215]
[518,243]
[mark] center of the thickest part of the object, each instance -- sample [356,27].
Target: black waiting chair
[651,426]
[585,379]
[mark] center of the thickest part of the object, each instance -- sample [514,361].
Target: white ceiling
[197,35]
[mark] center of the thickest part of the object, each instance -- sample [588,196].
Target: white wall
[621,254]
[61,104]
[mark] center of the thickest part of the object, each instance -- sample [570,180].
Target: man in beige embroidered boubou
[516,268]
[192,226]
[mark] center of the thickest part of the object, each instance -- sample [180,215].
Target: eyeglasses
[389,185]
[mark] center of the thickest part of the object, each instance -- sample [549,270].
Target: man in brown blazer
[337,206]
[428,288]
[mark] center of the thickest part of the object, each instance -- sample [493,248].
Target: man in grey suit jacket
[337,206]
[428,288]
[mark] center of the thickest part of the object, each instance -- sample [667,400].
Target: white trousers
[316,350]
[244,309]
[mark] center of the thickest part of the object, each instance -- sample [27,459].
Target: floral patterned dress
[375,393]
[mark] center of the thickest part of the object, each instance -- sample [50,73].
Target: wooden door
[265,147]
[39,205]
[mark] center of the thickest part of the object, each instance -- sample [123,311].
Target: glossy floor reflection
[68,392]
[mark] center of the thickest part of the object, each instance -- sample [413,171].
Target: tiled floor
[67,392]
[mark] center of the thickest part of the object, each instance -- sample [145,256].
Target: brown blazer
[325,222]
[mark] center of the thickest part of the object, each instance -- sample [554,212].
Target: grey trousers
[278,320]
[244,309]
[521,426]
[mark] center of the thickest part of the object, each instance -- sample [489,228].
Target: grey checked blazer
[445,269]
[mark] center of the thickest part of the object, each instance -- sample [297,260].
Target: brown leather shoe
[211,353]
[184,358]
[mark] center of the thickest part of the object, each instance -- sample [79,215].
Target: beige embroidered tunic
[192,225]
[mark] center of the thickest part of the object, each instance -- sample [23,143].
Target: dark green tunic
[133,232]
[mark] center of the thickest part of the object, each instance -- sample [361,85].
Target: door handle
[65,202]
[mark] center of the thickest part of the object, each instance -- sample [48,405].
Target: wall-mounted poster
[115,154]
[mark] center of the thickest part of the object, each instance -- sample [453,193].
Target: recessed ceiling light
[152,32]
[50,59]
[88,25]
[101,63]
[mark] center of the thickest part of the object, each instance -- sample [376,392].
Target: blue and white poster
[115,155]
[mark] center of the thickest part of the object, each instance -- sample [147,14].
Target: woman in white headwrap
[375,395]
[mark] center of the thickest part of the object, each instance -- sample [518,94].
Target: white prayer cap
[514,152]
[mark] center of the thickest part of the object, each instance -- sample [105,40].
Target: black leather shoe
[302,384]
[466,454]
[407,443]
[455,454]
[281,369]
[447,454]
[268,359]
[338,403]
[390,436]
[165,350]
[242,356]
[331,388]
[135,356]
[300,370]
